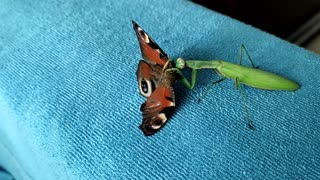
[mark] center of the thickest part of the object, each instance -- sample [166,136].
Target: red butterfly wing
[154,83]
[157,109]
[149,48]
[146,78]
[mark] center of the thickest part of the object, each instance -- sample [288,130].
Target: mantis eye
[146,87]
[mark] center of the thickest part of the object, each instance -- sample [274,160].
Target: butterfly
[154,83]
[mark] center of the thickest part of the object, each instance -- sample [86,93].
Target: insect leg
[183,79]
[166,65]
[243,99]
[209,87]
[242,47]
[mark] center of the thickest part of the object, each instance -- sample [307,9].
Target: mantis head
[180,63]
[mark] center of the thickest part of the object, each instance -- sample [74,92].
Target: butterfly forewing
[150,50]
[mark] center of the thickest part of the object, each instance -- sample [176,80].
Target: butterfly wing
[154,84]
[146,76]
[149,48]
[157,109]
[156,87]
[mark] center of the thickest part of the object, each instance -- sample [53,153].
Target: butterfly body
[155,83]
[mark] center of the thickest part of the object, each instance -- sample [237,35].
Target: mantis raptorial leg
[183,79]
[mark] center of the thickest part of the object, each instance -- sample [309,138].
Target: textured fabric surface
[69,101]
[5,175]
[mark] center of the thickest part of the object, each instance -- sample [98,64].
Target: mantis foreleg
[183,79]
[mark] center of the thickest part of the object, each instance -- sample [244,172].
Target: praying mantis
[250,76]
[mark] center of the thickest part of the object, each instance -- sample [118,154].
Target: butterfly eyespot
[146,87]
[161,119]
[158,122]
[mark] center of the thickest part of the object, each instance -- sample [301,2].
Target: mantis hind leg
[243,48]
[243,99]
[209,87]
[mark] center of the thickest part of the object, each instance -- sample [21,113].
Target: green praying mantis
[250,76]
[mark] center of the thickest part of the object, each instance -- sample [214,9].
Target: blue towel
[69,100]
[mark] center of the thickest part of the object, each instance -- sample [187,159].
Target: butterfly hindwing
[157,109]
[149,48]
